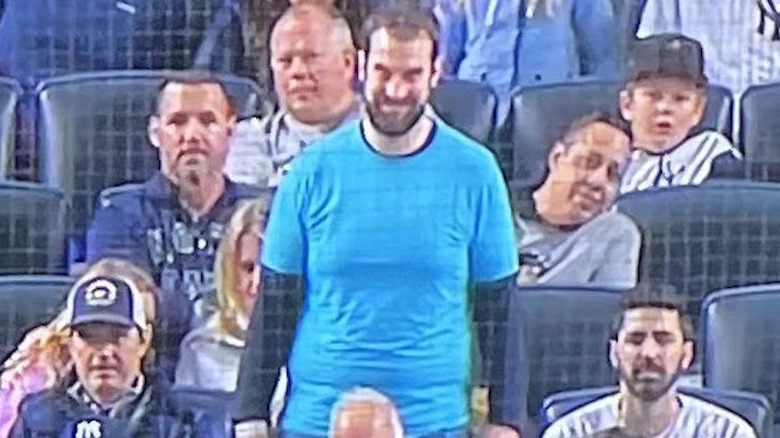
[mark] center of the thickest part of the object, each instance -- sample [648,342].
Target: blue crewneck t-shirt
[388,246]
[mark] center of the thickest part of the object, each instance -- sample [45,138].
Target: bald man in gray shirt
[568,232]
[313,63]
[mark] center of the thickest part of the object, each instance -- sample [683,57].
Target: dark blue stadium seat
[27,301]
[93,132]
[741,330]
[32,229]
[10,92]
[470,107]
[195,402]
[759,132]
[540,115]
[753,407]
[699,239]
[558,340]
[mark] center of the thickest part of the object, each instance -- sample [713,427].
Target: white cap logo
[100,293]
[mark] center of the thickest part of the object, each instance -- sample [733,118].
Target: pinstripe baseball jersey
[696,419]
[690,163]
[741,38]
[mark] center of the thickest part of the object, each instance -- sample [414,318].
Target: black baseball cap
[667,55]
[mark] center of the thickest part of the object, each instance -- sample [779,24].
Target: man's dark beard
[404,126]
[656,393]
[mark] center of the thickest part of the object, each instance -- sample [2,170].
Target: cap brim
[104,318]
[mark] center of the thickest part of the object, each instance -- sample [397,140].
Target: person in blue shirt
[510,43]
[172,224]
[382,228]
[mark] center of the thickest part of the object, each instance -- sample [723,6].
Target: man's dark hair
[192,77]
[655,296]
[404,21]
[577,126]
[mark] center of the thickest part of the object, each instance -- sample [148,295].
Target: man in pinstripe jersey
[664,100]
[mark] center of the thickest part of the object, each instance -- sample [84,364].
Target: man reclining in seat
[567,230]
[110,396]
[650,347]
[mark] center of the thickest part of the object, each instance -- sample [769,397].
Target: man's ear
[613,355]
[700,106]
[147,333]
[230,126]
[438,69]
[688,354]
[557,151]
[153,129]
[349,58]
[626,107]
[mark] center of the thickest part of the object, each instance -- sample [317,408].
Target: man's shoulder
[125,194]
[246,191]
[703,412]
[46,405]
[597,415]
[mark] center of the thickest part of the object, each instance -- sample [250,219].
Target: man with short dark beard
[172,224]
[650,348]
[384,226]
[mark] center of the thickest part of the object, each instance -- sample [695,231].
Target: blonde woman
[41,360]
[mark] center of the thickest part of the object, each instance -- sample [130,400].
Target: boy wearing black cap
[664,100]
[109,395]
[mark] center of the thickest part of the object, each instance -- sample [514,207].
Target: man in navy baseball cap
[108,341]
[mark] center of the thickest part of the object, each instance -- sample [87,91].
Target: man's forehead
[605,138]
[651,318]
[400,40]
[203,96]
[290,30]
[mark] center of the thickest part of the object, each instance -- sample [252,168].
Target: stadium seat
[468,106]
[32,229]
[752,407]
[741,342]
[699,239]
[540,115]
[27,301]
[93,131]
[193,403]
[10,92]
[759,132]
[558,341]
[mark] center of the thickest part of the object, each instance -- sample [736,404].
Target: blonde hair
[52,343]
[249,216]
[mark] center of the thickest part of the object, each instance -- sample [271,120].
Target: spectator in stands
[384,274]
[568,233]
[210,354]
[650,347]
[171,225]
[365,413]
[42,361]
[740,49]
[108,339]
[664,100]
[313,64]
[510,43]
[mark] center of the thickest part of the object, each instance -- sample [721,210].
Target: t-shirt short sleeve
[493,252]
[284,239]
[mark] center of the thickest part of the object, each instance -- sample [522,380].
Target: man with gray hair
[365,413]
[313,65]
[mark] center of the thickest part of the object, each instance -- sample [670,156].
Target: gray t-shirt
[603,251]
[260,148]
[696,419]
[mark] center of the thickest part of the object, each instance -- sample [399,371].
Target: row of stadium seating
[559,343]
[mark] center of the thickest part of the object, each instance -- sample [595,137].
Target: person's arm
[276,312]
[659,16]
[116,232]
[187,366]
[269,340]
[248,160]
[621,262]
[451,15]
[595,27]
[493,262]
[491,303]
